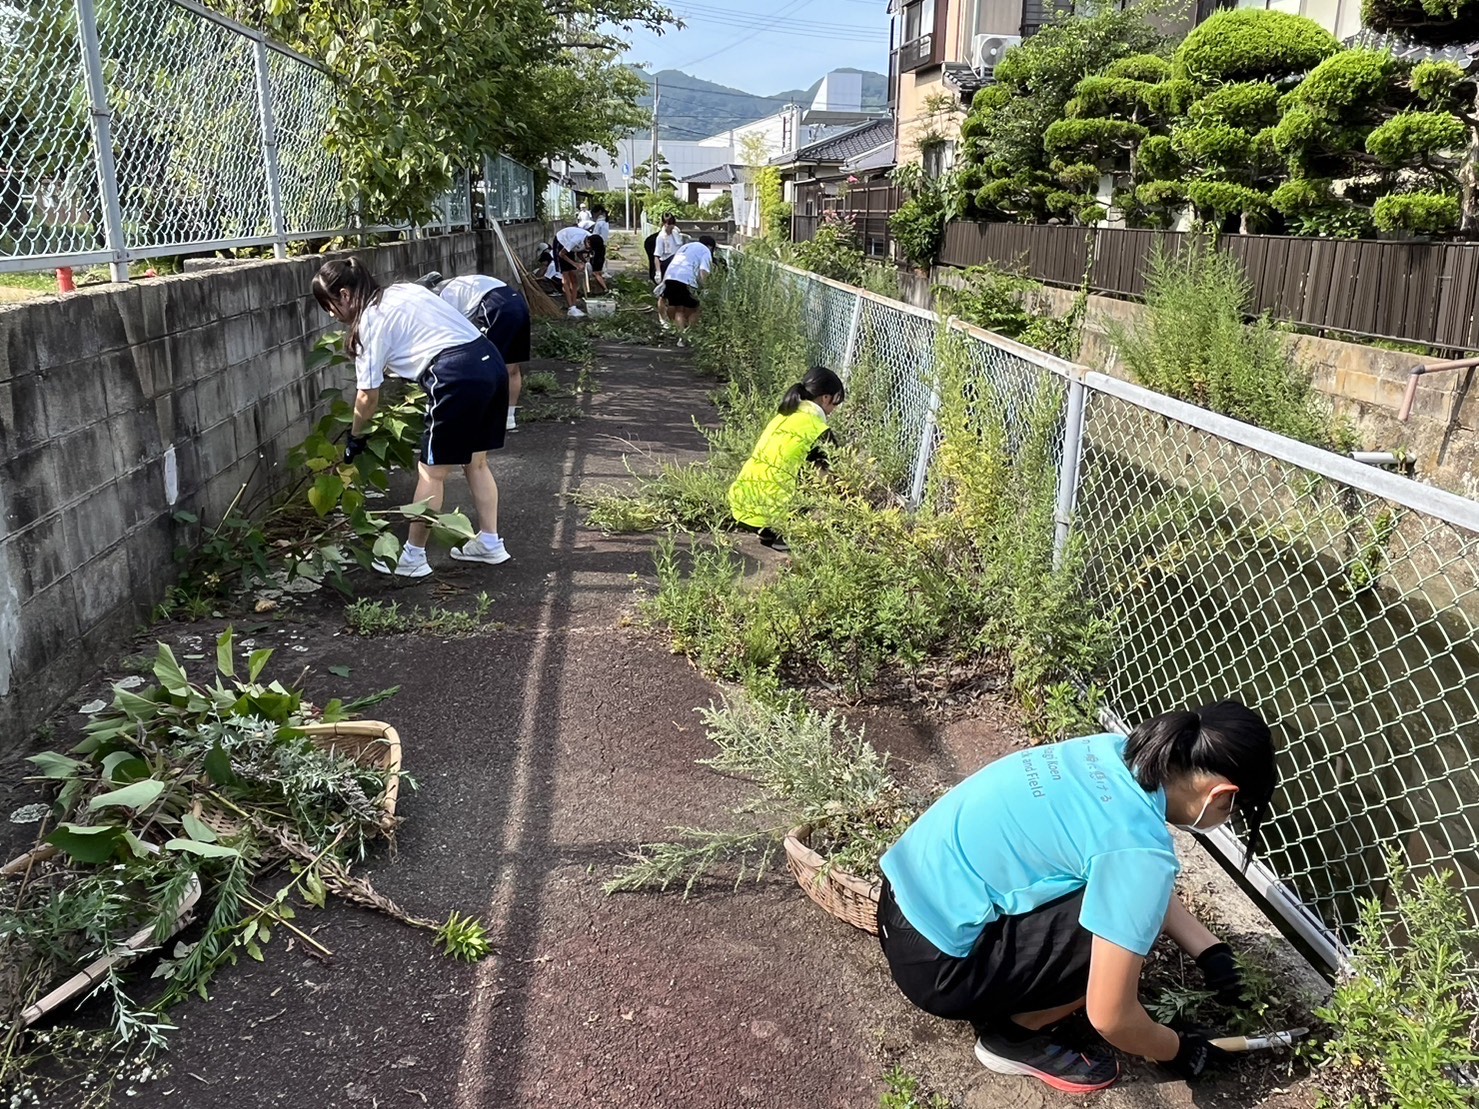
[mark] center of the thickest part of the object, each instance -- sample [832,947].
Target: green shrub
[1302,194]
[1192,343]
[1404,1020]
[1247,105]
[1222,200]
[1102,96]
[1148,68]
[1079,176]
[1211,146]
[1091,139]
[1156,159]
[1411,137]
[833,251]
[1252,43]
[1437,82]
[1353,81]
[1172,98]
[1155,194]
[991,298]
[919,228]
[1418,213]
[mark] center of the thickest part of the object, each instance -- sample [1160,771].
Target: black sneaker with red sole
[1043,1058]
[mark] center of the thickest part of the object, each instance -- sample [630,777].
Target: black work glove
[1196,1056]
[355,447]
[1219,968]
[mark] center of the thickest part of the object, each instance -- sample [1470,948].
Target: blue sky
[764,46]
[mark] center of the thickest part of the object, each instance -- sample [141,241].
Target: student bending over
[501,313]
[409,331]
[1037,886]
[760,498]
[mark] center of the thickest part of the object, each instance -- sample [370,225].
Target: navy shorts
[466,404]
[598,253]
[1021,964]
[679,295]
[503,318]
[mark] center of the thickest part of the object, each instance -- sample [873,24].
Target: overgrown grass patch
[367,617]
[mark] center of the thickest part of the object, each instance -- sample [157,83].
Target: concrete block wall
[1363,384]
[121,405]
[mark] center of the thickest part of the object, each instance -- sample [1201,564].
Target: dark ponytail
[354,276]
[1227,739]
[819,382]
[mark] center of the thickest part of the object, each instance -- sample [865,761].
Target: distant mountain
[693,108]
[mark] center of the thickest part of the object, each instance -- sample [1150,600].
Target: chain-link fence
[136,128]
[1340,600]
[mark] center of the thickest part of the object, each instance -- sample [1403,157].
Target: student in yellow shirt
[761,496]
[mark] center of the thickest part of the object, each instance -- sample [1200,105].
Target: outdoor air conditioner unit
[986,51]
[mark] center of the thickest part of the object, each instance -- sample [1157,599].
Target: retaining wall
[1364,384]
[123,404]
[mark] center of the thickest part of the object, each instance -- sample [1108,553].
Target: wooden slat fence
[1406,291]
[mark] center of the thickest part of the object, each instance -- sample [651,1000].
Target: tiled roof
[726,174]
[582,180]
[849,144]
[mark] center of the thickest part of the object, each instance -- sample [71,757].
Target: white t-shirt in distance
[401,334]
[691,260]
[466,293]
[667,245]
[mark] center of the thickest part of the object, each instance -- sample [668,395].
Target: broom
[540,303]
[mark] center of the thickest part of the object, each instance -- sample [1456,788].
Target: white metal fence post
[102,138]
[850,348]
[1073,435]
[269,150]
[926,449]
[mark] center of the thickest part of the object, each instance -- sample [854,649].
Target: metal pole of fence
[269,151]
[850,348]
[1073,438]
[102,138]
[926,449]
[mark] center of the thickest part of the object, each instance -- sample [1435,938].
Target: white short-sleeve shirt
[603,228]
[572,238]
[466,293]
[667,244]
[404,331]
[691,260]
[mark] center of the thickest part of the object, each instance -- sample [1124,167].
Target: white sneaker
[474,551]
[575,313]
[405,568]
[511,425]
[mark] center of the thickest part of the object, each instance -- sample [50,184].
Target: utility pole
[656,99]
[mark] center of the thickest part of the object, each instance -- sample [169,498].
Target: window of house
[919,20]
[938,159]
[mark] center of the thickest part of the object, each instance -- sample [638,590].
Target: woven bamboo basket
[846,896]
[372,743]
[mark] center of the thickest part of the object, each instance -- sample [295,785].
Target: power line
[789,10]
[826,27]
[833,34]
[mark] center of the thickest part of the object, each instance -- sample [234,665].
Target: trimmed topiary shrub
[1156,159]
[1082,176]
[1246,104]
[1426,21]
[1213,146]
[1150,68]
[1251,43]
[1351,82]
[1418,213]
[1414,136]
[1437,82]
[1222,200]
[1085,139]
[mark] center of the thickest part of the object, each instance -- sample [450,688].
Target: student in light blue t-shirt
[1036,888]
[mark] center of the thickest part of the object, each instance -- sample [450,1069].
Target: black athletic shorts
[598,253]
[503,318]
[1021,964]
[466,403]
[679,295]
[562,260]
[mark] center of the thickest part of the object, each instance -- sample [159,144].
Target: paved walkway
[544,750]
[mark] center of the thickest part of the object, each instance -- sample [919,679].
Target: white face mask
[1196,825]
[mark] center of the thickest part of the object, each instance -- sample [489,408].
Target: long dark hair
[1227,738]
[354,276]
[818,382]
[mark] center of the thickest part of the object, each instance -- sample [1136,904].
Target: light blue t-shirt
[1033,827]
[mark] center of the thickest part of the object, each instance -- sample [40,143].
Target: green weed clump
[370,618]
[677,495]
[904,1091]
[1406,1019]
[1193,343]
[560,341]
